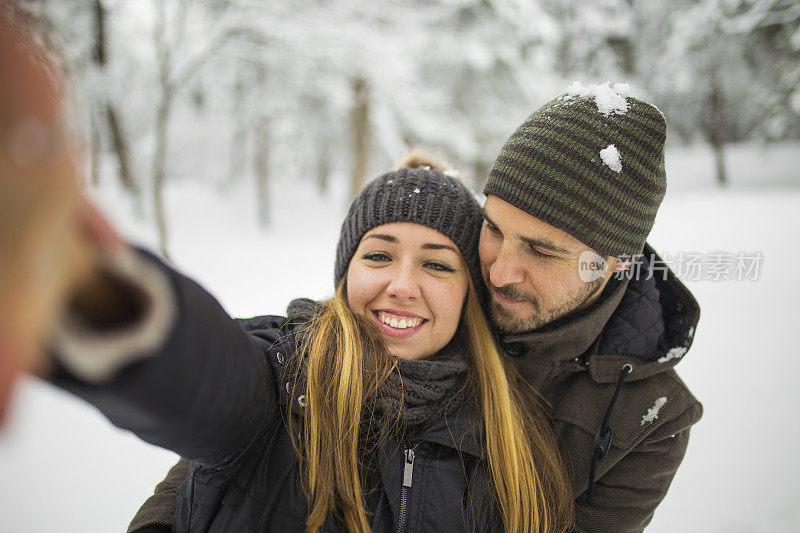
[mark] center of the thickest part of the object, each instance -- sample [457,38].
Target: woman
[386,408]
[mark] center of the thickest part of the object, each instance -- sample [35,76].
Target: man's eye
[435,265]
[376,256]
[492,228]
[537,253]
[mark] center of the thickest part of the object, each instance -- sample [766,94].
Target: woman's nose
[404,285]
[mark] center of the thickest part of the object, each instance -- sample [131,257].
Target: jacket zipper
[408,474]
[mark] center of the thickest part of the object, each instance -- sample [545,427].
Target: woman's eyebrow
[381,236]
[433,246]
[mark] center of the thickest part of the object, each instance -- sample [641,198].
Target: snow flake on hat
[453,173]
[652,413]
[610,156]
[610,100]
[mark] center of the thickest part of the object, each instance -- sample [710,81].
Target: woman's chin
[404,352]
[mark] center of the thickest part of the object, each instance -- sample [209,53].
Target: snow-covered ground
[65,468]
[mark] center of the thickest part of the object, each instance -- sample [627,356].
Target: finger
[97,229]
[13,355]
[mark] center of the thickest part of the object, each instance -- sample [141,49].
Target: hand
[42,251]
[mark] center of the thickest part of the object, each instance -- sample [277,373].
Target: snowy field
[65,468]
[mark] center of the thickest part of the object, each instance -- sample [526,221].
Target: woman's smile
[398,323]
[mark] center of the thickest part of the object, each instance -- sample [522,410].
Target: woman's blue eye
[376,256]
[439,266]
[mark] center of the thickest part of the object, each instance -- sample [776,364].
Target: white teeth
[403,323]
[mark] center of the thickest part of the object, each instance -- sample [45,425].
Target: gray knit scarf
[424,389]
[420,391]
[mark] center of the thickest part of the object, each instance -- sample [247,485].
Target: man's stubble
[508,322]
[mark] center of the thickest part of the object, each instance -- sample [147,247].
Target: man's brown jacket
[645,324]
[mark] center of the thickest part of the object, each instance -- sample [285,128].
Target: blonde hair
[345,365]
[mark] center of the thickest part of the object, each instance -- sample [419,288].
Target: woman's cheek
[449,302]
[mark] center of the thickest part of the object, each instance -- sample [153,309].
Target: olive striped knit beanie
[591,163]
[421,195]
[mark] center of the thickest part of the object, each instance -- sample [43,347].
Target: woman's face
[411,281]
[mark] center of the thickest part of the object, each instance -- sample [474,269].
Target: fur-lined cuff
[96,355]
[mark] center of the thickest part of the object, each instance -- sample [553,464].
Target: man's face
[532,269]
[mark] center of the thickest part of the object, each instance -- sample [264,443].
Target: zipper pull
[408,471]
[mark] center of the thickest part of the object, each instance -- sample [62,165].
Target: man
[570,201]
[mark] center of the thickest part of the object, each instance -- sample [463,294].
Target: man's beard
[509,322]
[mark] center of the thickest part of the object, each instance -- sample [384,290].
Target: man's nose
[506,269]
[404,285]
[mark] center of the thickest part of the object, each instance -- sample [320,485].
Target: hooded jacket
[220,392]
[619,407]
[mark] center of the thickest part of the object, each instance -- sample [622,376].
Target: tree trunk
[120,144]
[99,33]
[323,169]
[159,169]
[360,124]
[238,151]
[261,167]
[162,123]
[117,131]
[95,151]
[481,169]
[718,127]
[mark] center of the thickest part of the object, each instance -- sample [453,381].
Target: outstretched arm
[183,375]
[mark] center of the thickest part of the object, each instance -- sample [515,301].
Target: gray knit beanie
[591,163]
[420,195]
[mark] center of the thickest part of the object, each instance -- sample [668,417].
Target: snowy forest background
[224,91]
[231,135]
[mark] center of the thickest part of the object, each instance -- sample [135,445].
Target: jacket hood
[647,321]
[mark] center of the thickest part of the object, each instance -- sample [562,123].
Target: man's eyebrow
[381,236]
[547,245]
[530,241]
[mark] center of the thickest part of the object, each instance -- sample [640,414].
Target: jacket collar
[647,321]
[462,430]
[555,345]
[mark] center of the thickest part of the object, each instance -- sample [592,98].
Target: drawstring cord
[602,439]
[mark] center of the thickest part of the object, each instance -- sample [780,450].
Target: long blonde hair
[344,365]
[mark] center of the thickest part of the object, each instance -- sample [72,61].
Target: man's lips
[505,300]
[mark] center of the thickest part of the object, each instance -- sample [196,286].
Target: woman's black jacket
[216,392]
